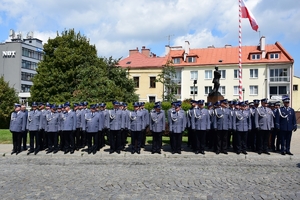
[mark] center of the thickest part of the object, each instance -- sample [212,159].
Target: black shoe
[197,152]
[244,152]
[24,148]
[283,153]
[95,151]
[29,152]
[132,152]
[173,152]
[217,152]
[118,151]
[238,153]
[89,151]
[72,151]
[36,152]
[138,152]
[266,152]
[289,153]
[259,152]
[179,152]
[152,152]
[18,152]
[66,151]
[55,151]
[13,152]
[202,152]
[159,152]
[225,152]
[110,152]
[49,151]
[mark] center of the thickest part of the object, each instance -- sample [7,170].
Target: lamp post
[195,82]
[243,93]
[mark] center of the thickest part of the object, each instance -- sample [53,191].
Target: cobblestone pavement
[146,176]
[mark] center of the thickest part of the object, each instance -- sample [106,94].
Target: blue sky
[119,25]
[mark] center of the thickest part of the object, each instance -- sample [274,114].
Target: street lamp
[243,93]
[195,82]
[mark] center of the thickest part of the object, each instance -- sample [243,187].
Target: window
[253,73]
[152,82]
[255,56]
[176,91]
[295,87]
[29,65]
[207,89]
[279,75]
[235,90]
[32,54]
[253,90]
[208,74]
[194,75]
[191,59]
[278,90]
[192,91]
[152,99]
[236,73]
[25,88]
[136,81]
[26,76]
[176,60]
[274,56]
[223,74]
[222,90]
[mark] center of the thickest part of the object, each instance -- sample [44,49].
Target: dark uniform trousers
[92,140]
[200,140]
[241,140]
[275,136]
[222,140]
[156,141]
[100,139]
[44,139]
[78,142]
[115,140]
[52,141]
[17,137]
[124,135]
[61,140]
[285,140]
[69,140]
[263,140]
[136,140]
[176,141]
[34,135]
[24,139]
[252,141]
[144,137]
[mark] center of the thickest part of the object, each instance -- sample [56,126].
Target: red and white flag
[246,13]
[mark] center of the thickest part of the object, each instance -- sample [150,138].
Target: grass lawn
[6,138]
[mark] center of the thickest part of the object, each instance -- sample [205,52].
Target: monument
[215,95]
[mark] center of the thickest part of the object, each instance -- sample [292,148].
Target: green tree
[72,71]
[8,96]
[166,77]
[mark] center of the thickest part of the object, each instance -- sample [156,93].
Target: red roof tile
[138,60]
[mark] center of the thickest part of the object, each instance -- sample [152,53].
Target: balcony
[177,81]
[280,79]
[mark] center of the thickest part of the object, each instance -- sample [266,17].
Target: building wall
[229,81]
[144,91]
[296,94]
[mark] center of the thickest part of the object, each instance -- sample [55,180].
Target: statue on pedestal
[216,82]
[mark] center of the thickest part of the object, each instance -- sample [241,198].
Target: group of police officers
[216,126]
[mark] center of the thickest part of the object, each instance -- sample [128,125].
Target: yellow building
[143,67]
[296,93]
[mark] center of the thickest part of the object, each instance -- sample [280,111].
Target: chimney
[133,51]
[212,46]
[263,46]
[167,49]
[145,51]
[187,47]
[227,45]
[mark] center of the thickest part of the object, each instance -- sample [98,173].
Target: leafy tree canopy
[72,71]
[8,96]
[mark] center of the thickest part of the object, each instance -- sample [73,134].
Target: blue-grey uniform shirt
[241,120]
[177,121]
[17,122]
[68,121]
[222,119]
[116,120]
[34,120]
[137,120]
[53,122]
[264,118]
[91,122]
[200,119]
[286,119]
[157,121]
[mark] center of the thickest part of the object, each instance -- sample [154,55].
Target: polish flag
[246,13]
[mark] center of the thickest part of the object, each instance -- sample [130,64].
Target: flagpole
[240,52]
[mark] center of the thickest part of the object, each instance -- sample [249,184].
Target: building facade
[296,93]
[267,71]
[144,67]
[19,61]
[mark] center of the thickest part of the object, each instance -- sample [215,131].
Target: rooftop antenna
[169,38]
[11,33]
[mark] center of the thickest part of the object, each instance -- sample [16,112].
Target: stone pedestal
[214,97]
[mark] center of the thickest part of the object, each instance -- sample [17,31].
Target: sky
[115,26]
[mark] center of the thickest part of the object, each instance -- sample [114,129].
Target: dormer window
[191,59]
[176,60]
[274,56]
[255,57]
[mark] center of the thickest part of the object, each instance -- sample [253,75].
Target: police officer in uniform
[136,127]
[68,128]
[17,127]
[52,128]
[157,127]
[91,125]
[286,123]
[83,111]
[275,137]
[24,134]
[211,138]
[241,125]
[177,125]
[191,133]
[146,118]
[104,123]
[115,126]
[78,139]
[222,124]
[34,125]
[264,124]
